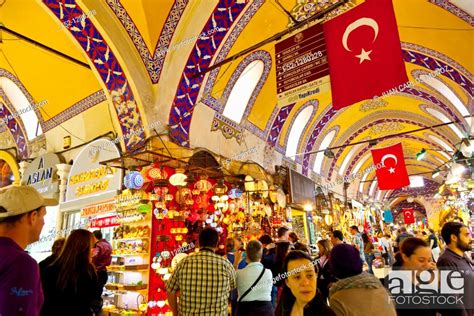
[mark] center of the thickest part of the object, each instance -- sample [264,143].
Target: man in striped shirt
[203,280]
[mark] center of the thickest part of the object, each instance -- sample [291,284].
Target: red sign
[98,209]
[300,60]
[109,221]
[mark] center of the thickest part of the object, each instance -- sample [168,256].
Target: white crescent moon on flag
[388,156]
[356,24]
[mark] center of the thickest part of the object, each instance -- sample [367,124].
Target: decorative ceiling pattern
[74,110]
[417,207]
[433,60]
[429,189]
[13,124]
[223,17]
[460,13]
[19,84]
[153,62]
[327,117]
[107,65]
[277,126]
[353,135]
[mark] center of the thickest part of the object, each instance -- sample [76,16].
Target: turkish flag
[364,53]
[408,216]
[390,167]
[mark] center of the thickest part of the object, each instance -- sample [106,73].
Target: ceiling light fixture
[421,155]
[373,142]
[328,153]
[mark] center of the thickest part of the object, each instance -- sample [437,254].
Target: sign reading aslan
[41,174]
[88,177]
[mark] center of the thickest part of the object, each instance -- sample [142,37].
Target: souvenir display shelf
[127,287]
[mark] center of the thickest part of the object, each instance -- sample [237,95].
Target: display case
[127,287]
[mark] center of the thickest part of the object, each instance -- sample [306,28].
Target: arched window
[22,108]
[296,131]
[348,158]
[318,162]
[443,118]
[442,88]
[242,91]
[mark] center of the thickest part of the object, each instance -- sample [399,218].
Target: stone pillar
[23,165]
[63,174]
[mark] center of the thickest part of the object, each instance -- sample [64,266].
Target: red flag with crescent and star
[408,216]
[390,167]
[364,53]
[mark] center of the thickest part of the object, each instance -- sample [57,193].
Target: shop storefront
[91,184]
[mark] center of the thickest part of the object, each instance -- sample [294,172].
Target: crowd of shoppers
[268,277]
[65,283]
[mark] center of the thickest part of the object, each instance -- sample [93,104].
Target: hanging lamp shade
[179,178]
[263,187]
[235,193]
[220,188]
[155,173]
[203,185]
[249,184]
[273,193]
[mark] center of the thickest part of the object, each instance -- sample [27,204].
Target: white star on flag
[391,170]
[364,56]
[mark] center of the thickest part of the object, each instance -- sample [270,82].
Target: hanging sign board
[41,175]
[90,180]
[102,222]
[98,209]
[301,189]
[302,65]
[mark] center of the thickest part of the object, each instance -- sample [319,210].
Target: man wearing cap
[22,211]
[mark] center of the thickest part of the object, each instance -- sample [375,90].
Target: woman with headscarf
[356,292]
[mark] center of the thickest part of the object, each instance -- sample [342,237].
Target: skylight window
[439,86]
[318,162]
[242,91]
[23,108]
[443,118]
[296,131]
[348,158]
[417,182]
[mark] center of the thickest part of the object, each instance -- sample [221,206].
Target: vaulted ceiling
[127,64]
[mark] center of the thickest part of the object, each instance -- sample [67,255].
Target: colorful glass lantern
[203,185]
[155,173]
[134,180]
[179,178]
[249,184]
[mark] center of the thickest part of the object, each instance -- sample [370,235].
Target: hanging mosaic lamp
[203,184]
[178,179]
[235,193]
[155,173]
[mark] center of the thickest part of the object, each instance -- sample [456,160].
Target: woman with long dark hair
[70,283]
[299,295]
